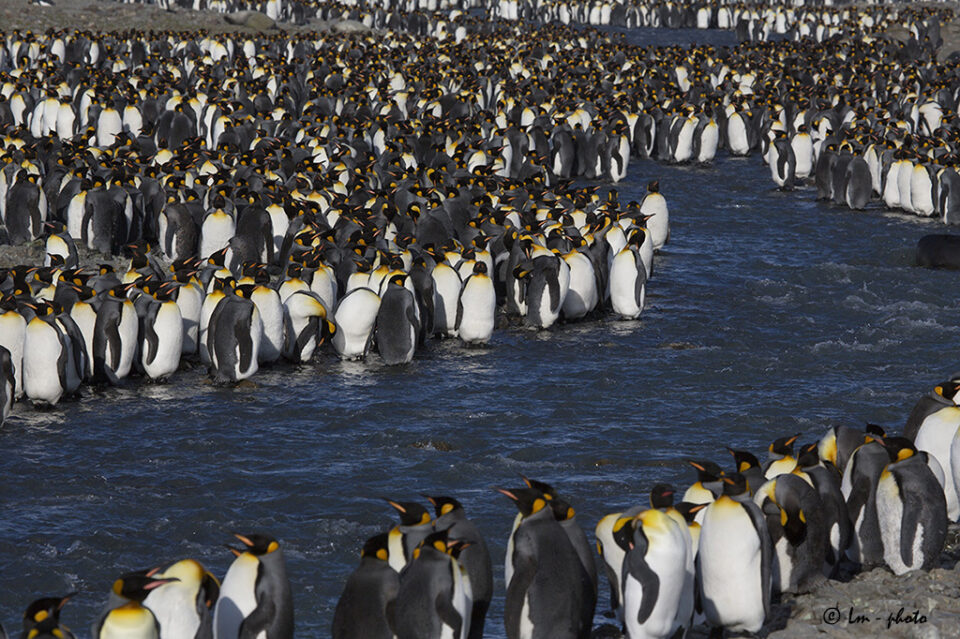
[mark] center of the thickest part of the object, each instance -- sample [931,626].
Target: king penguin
[655,205]
[658,591]
[305,321]
[125,616]
[365,608]
[233,337]
[398,324]
[545,591]
[184,607]
[911,510]
[434,598]
[734,560]
[476,307]
[415,525]
[41,620]
[354,319]
[8,384]
[475,558]
[826,480]
[859,487]
[45,358]
[255,598]
[13,330]
[936,436]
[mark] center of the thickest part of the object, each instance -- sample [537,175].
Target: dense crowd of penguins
[738,538]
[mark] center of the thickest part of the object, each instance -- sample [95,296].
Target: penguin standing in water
[734,560]
[477,307]
[255,598]
[545,591]
[544,297]
[45,358]
[936,435]
[8,384]
[233,337]
[398,325]
[628,280]
[161,335]
[474,557]
[114,335]
[434,598]
[13,331]
[125,616]
[184,606]
[365,607]
[305,321]
[798,532]
[354,319]
[911,510]
[612,547]
[655,206]
[41,620]
[783,162]
[657,588]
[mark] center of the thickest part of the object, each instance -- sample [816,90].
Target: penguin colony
[737,538]
[283,218]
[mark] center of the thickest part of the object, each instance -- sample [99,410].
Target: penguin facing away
[255,597]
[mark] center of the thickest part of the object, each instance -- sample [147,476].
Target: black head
[707,471]
[735,484]
[809,455]
[258,544]
[43,609]
[784,445]
[744,460]
[874,430]
[543,487]
[661,496]
[411,513]
[444,505]
[898,448]
[480,268]
[689,511]
[527,500]
[377,546]
[135,586]
[562,510]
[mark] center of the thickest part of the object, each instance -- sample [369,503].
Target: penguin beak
[156,583]
[396,505]
[506,492]
[245,540]
[65,599]
[236,552]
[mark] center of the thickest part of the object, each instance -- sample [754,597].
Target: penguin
[658,590]
[354,320]
[366,605]
[935,436]
[8,384]
[13,332]
[749,466]
[734,560]
[826,480]
[798,532]
[219,289]
[838,444]
[233,337]
[45,358]
[270,308]
[859,487]
[911,510]
[255,597]
[398,325]
[781,457]
[305,321]
[126,617]
[184,606]
[41,620]
[161,335]
[474,557]
[434,598]
[628,278]
[415,525]
[115,335]
[783,162]
[655,205]
[544,295]
[583,295]
[545,591]
[59,243]
[447,286]
[476,307]
[610,535]
[858,184]
[708,486]
[188,294]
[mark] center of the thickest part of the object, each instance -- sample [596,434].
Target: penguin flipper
[524,570]
[641,279]
[554,283]
[245,341]
[460,308]
[150,335]
[448,614]
[413,319]
[310,331]
[649,584]
[766,553]
[258,620]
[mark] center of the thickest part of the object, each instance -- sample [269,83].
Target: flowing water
[769,314]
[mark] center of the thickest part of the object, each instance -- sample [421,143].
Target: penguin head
[411,513]
[783,447]
[947,390]
[257,544]
[444,505]
[707,471]
[398,279]
[135,586]
[245,290]
[43,609]
[735,484]
[873,432]
[377,547]
[562,510]
[689,510]
[622,533]
[545,488]
[898,448]
[661,496]
[744,460]
[528,501]
[654,186]
[809,455]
